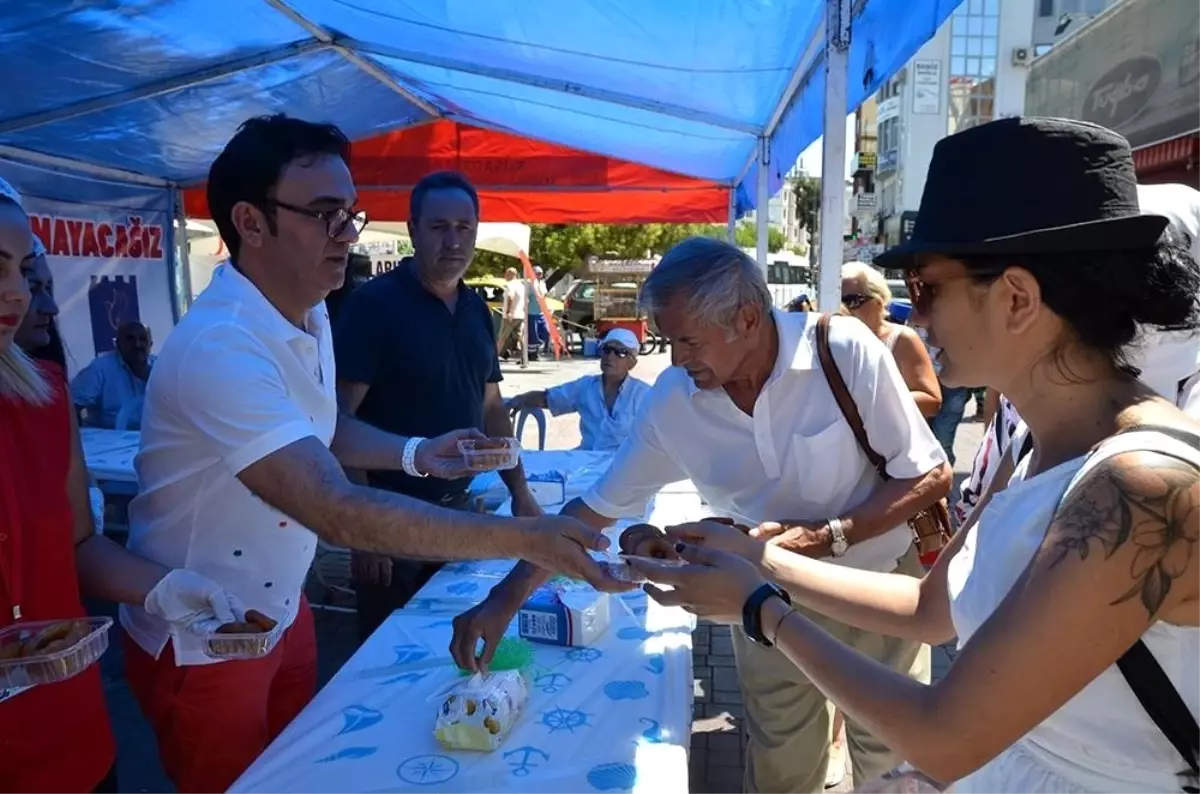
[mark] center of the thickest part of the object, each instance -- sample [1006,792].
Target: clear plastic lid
[492,454]
[49,651]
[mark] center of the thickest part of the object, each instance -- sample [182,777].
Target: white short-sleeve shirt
[796,457]
[234,382]
[516,294]
[600,428]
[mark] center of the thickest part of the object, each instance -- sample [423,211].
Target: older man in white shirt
[241,466]
[607,403]
[748,416]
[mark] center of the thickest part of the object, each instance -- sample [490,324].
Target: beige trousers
[789,719]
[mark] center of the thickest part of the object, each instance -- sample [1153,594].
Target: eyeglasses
[854,300]
[922,293]
[613,350]
[337,222]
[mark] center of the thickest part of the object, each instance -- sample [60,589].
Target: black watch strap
[752,611]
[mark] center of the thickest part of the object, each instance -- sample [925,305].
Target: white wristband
[409,461]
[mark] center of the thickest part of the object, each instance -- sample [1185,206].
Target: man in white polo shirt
[747,415]
[242,453]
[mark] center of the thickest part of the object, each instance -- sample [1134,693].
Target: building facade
[972,71]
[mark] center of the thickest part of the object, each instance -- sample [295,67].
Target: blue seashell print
[407,654]
[347,753]
[462,588]
[634,633]
[612,777]
[358,718]
[626,690]
[656,664]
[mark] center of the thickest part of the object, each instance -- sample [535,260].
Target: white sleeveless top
[1102,739]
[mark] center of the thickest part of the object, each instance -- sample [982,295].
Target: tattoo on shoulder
[1151,506]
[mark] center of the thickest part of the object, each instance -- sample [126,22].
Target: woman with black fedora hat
[1075,595]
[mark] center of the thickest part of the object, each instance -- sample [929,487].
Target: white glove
[189,601]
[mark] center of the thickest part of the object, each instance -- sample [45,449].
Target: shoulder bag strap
[845,401]
[1162,702]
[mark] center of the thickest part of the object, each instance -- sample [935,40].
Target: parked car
[491,289]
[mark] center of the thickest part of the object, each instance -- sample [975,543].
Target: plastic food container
[242,645]
[618,567]
[89,642]
[493,454]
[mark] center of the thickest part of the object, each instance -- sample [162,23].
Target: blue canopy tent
[146,92]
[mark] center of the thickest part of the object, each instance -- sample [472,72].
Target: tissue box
[566,617]
[548,487]
[479,712]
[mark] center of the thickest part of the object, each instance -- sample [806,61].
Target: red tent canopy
[520,179]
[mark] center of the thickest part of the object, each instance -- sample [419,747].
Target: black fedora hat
[1028,186]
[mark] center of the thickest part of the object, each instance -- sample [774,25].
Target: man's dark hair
[248,168]
[440,180]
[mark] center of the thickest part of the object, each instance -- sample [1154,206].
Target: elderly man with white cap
[606,403]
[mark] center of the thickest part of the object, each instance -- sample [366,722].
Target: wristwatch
[752,611]
[837,530]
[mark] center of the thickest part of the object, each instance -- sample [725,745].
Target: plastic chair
[520,415]
[331,570]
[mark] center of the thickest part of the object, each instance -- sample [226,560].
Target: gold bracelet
[791,611]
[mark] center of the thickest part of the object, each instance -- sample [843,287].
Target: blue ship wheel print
[552,683]
[427,770]
[561,719]
[524,765]
[584,654]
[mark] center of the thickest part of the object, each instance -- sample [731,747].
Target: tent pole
[762,209]
[182,282]
[833,155]
[731,228]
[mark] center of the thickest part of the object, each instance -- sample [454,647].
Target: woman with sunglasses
[866,295]
[1075,595]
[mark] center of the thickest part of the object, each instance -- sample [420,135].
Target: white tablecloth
[109,454]
[612,717]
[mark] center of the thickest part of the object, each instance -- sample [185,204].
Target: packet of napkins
[478,713]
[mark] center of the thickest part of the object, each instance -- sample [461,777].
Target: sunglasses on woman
[922,293]
[854,300]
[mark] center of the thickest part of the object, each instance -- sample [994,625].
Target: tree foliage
[808,201]
[563,249]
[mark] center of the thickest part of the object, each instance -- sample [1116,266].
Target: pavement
[718,735]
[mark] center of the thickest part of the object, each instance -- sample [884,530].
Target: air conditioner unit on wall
[1021,56]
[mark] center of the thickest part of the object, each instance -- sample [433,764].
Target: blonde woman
[50,557]
[865,294]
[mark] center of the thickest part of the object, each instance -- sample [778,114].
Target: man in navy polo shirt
[416,354]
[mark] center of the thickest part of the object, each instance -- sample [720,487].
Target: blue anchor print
[525,765]
[552,683]
[656,664]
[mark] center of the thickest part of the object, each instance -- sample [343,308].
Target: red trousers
[213,721]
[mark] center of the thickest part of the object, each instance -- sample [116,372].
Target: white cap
[623,337]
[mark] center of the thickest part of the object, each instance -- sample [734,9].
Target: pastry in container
[490,454]
[479,712]
[49,651]
[251,638]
